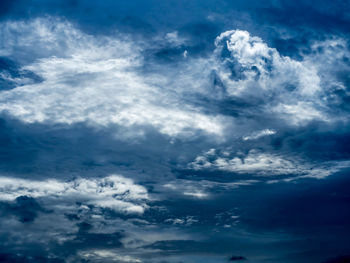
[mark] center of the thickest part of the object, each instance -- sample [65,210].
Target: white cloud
[287,88]
[196,194]
[185,221]
[107,254]
[93,80]
[264,65]
[259,134]
[300,112]
[98,81]
[174,39]
[115,192]
[257,163]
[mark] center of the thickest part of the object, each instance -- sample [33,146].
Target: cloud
[237,258]
[186,221]
[104,255]
[257,163]
[212,247]
[251,70]
[101,81]
[113,192]
[75,102]
[258,62]
[259,134]
[19,258]
[24,207]
[203,189]
[12,76]
[93,80]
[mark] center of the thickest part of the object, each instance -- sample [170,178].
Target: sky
[174,131]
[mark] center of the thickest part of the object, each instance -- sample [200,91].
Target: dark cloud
[25,208]
[10,71]
[317,141]
[173,247]
[242,198]
[237,258]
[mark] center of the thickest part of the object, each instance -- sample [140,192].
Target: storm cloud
[174,132]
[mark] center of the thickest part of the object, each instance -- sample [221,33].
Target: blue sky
[174,131]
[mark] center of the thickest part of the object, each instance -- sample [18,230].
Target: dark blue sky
[174,131]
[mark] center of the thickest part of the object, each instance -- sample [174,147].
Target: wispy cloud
[94,80]
[259,134]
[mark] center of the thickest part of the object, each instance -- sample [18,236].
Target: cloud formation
[257,163]
[98,81]
[250,70]
[114,192]
[176,145]
[93,80]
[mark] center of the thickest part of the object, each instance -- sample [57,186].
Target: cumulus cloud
[114,192]
[286,88]
[262,66]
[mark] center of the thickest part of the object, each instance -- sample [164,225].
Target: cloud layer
[172,143]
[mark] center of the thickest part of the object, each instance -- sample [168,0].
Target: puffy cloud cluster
[114,192]
[253,72]
[263,68]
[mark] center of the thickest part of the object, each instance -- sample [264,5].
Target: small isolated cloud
[259,134]
[114,192]
[174,39]
[185,221]
[105,255]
